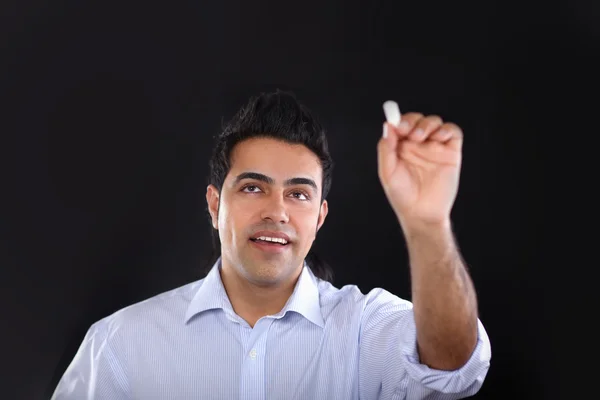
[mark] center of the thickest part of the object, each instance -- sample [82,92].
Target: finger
[386,151]
[407,123]
[425,127]
[457,137]
[449,133]
[441,135]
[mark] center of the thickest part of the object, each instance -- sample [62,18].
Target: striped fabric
[326,343]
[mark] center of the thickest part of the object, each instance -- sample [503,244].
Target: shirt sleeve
[389,365]
[94,372]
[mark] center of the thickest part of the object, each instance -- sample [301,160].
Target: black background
[109,113]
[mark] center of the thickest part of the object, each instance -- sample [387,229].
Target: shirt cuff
[469,376]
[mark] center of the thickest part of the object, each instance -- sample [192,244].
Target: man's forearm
[443,296]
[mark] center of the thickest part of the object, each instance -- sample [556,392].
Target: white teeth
[270,239]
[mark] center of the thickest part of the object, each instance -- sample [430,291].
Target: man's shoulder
[161,310]
[351,296]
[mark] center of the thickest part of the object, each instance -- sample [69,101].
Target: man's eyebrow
[267,179]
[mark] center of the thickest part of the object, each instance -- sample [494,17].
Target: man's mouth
[270,245]
[271,241]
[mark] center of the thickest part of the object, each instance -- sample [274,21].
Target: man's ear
[212,200]
[322,214]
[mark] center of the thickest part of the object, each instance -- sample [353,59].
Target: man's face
[273,189]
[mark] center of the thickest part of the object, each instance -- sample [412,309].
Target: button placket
[253,365]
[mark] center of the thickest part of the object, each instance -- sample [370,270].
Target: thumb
[387,152]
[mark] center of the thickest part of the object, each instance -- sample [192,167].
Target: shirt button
[253,354]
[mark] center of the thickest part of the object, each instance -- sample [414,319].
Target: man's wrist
[412,228]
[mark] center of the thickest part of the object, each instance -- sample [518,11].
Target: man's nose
[275,209]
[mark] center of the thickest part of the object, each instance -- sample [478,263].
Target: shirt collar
[210,295]
[304,299]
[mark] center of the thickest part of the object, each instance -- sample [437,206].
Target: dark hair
[276,115]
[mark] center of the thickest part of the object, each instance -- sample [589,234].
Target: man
[266,324]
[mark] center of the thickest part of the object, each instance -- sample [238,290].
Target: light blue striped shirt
[326,343]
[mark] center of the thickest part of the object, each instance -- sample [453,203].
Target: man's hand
[419,167]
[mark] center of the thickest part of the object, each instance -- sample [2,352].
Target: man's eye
[250,189]
[304,195]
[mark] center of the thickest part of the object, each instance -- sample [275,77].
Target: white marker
[392,112]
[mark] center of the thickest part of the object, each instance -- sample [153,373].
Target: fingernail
[419,132]
[403,126]
[385,131]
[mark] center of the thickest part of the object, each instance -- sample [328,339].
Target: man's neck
[252,302]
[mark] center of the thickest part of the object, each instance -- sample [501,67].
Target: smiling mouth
[268,242]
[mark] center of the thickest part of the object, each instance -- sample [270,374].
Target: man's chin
[268,273]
